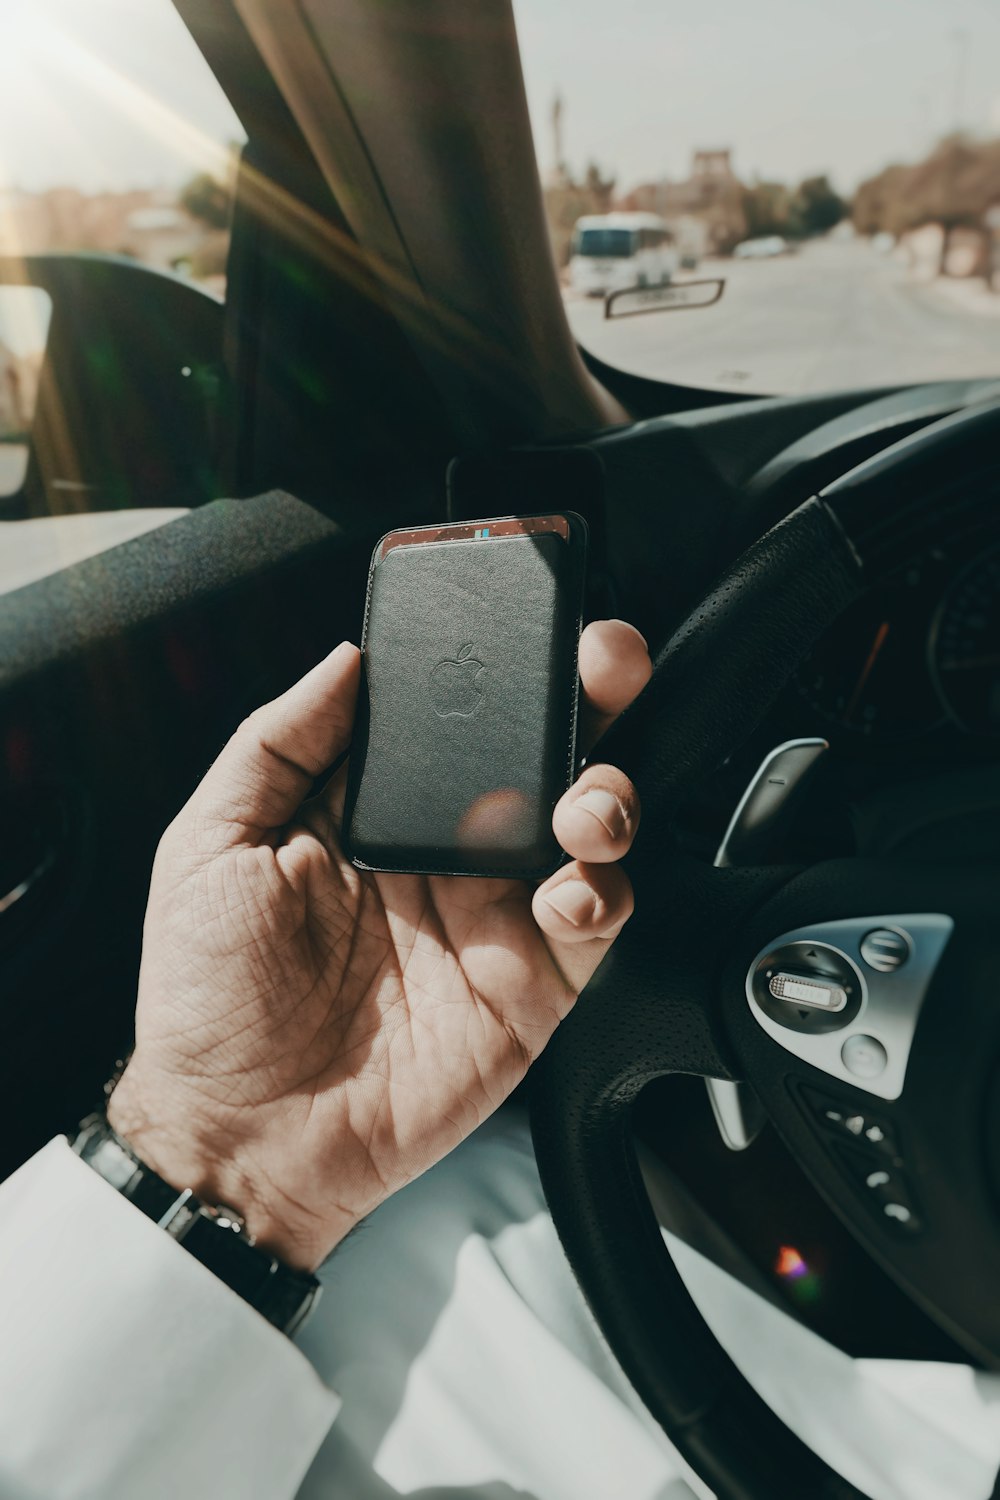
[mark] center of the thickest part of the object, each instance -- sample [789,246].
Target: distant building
[162,235]
[148,225]
[714,164]
[705,210]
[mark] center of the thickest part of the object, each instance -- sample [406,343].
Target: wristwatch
[214,1235]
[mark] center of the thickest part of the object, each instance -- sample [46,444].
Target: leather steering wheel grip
[719,673]
[644,1014]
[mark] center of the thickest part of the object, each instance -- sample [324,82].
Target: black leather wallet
[466,728]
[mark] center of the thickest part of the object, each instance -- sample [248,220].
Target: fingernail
[629,626]
[605,808]
[573,900]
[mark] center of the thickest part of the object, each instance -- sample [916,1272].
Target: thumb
[266,769]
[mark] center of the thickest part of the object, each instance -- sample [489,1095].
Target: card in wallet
[466,730]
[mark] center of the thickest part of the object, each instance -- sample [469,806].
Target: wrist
[213,1235]
[166,1130]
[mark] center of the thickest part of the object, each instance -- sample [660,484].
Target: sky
[105,94]
[112,94]
[794,87]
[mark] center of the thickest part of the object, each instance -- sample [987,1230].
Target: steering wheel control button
[901,1214]
[885,950]
[808,987]
[883,963]
[884,1189]
[864,1056]
[841,1119]
[812,989]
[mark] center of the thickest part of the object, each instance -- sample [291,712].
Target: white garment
[466,1361]
[127,1370]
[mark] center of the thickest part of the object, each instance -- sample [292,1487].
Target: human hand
[311,1037]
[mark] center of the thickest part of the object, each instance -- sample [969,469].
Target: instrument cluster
[918,654]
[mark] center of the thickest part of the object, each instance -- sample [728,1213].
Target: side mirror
[671,297]
[123,402]
[25,314]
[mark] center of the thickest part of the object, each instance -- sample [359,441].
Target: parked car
[763,248]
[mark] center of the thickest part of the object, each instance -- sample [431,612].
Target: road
[832,316]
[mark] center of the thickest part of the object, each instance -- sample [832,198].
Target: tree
[766,207]
[566,201]
[816,207]
[953,187]
[812,208]
[880,203]
[208,199]
[601,189]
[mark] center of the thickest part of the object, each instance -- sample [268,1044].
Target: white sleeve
[126,1368]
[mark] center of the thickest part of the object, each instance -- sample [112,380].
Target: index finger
[614,669]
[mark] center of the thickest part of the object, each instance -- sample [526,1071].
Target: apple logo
[455,687]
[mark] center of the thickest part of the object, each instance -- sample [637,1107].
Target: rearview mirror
[670,297]
[25,314]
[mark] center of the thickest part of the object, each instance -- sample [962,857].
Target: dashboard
[904,686]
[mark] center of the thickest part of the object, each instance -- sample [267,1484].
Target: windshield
[838,166]
[603,243]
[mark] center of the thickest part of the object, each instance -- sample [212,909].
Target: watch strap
[215,1236]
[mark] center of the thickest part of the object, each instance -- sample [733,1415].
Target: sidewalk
[968,294]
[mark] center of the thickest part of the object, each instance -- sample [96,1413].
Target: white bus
[615,251]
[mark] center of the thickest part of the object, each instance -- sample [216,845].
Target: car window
[115,137]
[838,167]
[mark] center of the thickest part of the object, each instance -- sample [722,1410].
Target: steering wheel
[807,983]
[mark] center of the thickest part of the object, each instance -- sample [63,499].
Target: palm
[393,1012]
[312,1037]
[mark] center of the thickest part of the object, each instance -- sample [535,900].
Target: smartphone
[465,736]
